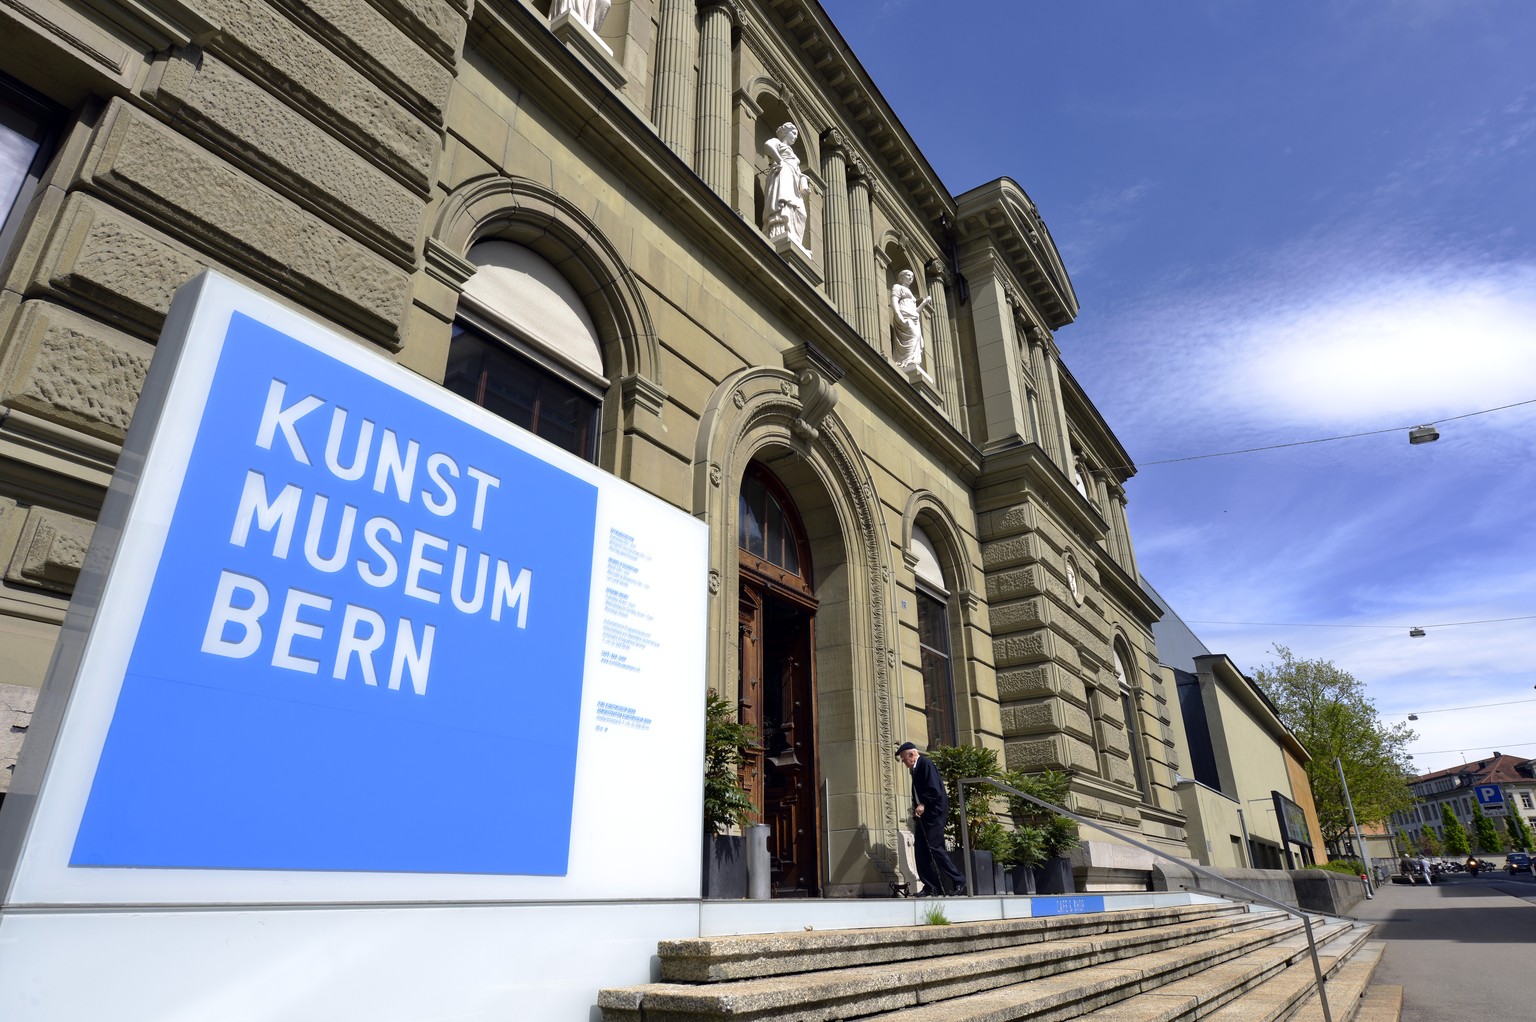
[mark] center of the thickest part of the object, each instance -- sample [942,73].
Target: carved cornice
[845,82]
[1002,216]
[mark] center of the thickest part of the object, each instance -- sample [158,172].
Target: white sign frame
[638,791]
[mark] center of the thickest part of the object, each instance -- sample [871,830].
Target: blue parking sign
[1491,798]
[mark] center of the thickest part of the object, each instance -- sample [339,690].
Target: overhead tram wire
[1320,440]
[1475,706]
[1463,751]
[1324,624]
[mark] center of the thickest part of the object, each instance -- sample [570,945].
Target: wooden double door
[777,697]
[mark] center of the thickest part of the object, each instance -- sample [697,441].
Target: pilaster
[676,92]
[717,18]
[835,220]
[866,292]
[942,343]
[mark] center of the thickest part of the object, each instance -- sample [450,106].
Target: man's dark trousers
[934,867]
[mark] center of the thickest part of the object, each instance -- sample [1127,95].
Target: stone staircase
[1223,962]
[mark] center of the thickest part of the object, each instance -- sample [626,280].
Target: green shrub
[1353,867]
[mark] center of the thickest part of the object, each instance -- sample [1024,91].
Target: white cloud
[1392,348]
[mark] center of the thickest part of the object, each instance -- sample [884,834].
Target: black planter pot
[1023,879]
[1055,877]
[725,868]
[982,873]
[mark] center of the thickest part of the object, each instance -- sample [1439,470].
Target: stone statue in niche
[784,198]
[589,12]
[908,322]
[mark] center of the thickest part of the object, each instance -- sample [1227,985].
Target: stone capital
[728,6]
[935,270]
[833,142]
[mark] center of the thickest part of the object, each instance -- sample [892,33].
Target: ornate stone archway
[771,413]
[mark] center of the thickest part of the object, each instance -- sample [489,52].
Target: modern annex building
[612,238]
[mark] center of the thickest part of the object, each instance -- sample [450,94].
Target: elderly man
[930,810]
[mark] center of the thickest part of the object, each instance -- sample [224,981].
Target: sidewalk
[1462,949]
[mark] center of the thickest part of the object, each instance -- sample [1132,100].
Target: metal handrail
[970,886]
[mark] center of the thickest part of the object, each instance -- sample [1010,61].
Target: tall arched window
[525,348]
[1132,724]
[933,642]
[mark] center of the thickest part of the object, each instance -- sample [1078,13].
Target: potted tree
[1025,854]
[727,804]
[1052,835]
[955,763]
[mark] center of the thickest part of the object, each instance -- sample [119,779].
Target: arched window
[767,530]
[524,347]
[1132,724]
[933,642]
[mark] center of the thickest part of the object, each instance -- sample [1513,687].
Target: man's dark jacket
[928,790]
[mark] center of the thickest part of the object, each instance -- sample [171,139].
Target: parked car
[1518,862]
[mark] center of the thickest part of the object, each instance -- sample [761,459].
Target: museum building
[687,241]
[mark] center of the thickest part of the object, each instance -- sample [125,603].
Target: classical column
[713,161]
[866,292]
[1052,415]
[1053,374]
[675,91]
[1047,399]
[942,339]
[1118,504]
[834,216]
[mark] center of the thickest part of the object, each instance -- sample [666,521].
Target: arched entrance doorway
[776,619]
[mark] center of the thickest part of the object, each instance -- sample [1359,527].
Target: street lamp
[1423,435]
[1416,632]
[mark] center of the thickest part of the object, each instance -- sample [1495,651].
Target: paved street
[1462,949]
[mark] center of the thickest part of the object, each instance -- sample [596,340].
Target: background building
[572,228]
[1453,788]
[1235,753]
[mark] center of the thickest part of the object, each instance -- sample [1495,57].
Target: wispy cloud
[1102,221]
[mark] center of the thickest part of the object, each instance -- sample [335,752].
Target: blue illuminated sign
[1068,905]
[363,645]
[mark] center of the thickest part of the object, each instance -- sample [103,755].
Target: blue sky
[1285,222]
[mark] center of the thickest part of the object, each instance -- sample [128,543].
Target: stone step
[1346,987]
[1064,971]
[756,956]
[1381,1003]
[1204,994]
[1278,996]
[1071,995]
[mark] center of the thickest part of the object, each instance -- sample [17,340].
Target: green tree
[955,763]
[1456,842]
[1429,842]
[726,742]
[1403,844]
[1488,840]
[1519,833]
[1327,709]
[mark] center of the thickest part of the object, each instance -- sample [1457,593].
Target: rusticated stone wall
[293,144]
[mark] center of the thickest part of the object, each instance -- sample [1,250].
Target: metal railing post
[1295,910]
[965,843]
